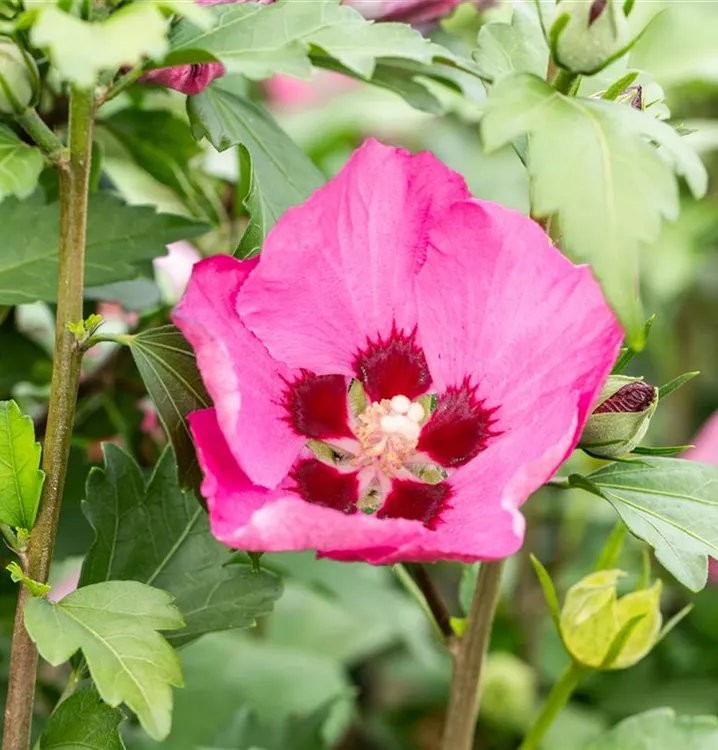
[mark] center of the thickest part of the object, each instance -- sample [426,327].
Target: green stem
[122,83]
[31,122]
[74,184]
[557,699]
[560,483]
[422,588]
[469,660]
[565,82]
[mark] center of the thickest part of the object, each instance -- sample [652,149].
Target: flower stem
[417,581]
[565,82]
[557,699]
[36,128]
[74,183]
[469,660]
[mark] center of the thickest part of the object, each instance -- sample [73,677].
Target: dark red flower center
[385,438]
[458,429]
[415,501]
[321,484]
[317,406]
[392,367]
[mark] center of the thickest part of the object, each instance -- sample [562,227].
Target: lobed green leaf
[115,625]
[156,533]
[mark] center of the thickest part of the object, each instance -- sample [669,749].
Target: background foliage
[341,655]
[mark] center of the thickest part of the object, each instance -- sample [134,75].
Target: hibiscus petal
[249,517]
[524,325]
[338,272]
[248,386]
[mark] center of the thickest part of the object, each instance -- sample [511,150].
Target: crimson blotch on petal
[395,374]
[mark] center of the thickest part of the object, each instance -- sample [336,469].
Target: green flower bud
[586,36]
[593,615]
[620,417]
[508,693]
[19,79]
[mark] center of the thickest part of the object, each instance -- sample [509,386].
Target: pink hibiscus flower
[193,79]
[396,373]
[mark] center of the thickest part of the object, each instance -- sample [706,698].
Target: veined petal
[249,517]
[522,324]
[247,385]
[337,273]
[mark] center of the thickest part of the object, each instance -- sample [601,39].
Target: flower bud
[586,36]
[593,616]
[19,79]
[508,693]
[620,417]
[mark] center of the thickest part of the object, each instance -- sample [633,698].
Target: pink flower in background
[173,271]
[192,79]
[288,93]
[706,451]
[396,373]
[408,11]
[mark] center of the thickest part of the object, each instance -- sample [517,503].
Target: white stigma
[403,419]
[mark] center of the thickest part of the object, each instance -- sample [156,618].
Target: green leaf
[675,384]
[115,625]
[594,164]
[169,159]
[21,479]
[549,590]
[516,47]
[445,85]
[285,175]
[118,237]
[227,671]
[157,534]
[18,576]
[663,51]
[628,352]
[80,50]
[167,365]
[250,196]
[83,722]
[20,165]
[660,729]
[671,504]
[660,450]
[296,732]
[259,41]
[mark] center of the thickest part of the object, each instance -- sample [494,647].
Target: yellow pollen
[388,432]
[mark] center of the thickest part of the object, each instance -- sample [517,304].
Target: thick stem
[469,660]
[557,699]
[36,128]
[74,182]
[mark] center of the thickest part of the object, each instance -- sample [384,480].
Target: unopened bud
[620,417]
[19,79]
[586,36]
[508,693]
[593,617]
